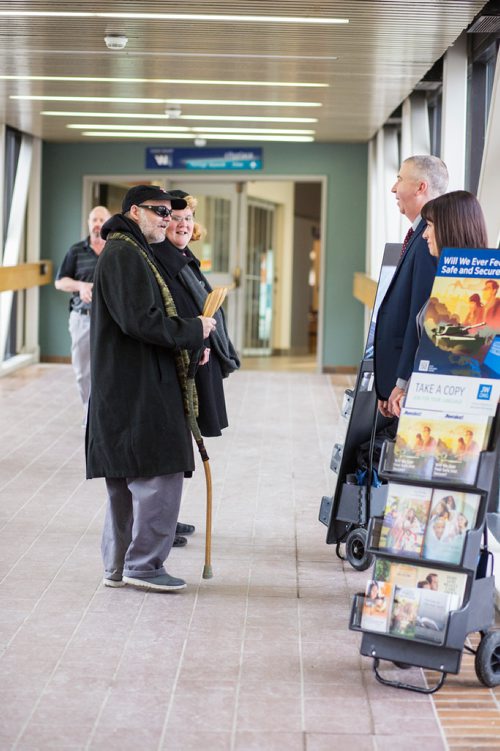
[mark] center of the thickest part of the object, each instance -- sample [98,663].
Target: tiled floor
[257,658]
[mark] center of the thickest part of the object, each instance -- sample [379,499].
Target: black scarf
[179,263]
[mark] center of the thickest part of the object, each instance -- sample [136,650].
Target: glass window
[479,90]
[12,149]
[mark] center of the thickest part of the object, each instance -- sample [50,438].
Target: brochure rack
[477,610]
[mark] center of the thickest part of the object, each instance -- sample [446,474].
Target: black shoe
[184,529]
[179,541]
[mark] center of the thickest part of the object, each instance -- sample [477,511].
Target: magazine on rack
[438,445]
[377,606]
[404,612]
[462,318]
[452,514]
[432,615]
[410,601]
[427,523]
[414,576]
[405,519]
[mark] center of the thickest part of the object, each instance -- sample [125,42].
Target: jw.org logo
[484,391]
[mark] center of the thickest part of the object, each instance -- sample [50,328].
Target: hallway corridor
[258,658]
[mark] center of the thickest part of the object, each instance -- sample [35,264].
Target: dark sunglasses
[158,210]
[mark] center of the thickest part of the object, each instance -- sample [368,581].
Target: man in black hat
[138,437]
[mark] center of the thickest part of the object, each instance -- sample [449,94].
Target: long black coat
[212,418]
[396,335]
[136,426]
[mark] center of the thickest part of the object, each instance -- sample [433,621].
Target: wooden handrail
[25,275]
[364,289]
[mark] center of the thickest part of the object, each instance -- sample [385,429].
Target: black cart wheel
[487,661]
[355,549]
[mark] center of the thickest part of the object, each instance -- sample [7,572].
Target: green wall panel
[344,165]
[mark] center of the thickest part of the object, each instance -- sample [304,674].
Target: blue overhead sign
[203,159]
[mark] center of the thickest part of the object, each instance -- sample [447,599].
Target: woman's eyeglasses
[177,218]
[158,210]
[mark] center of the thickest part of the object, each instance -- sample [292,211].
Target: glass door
[218,251]
[259,278]
[218,211]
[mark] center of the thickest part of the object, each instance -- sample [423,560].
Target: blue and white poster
[462,319]
[158,157]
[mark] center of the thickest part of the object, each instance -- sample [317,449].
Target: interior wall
[344,165]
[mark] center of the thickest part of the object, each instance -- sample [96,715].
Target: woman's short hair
[198,230]
[458,220]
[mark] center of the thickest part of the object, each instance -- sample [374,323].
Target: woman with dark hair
[454,220]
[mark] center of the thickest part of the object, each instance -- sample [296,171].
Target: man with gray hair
[420,179]
[76,275]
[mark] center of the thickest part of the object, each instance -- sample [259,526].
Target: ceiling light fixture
[175,17]
[148,116]
[183,81]
[121,100]
[109,126]
[200,142]
[116,41]
[245,103]
[138,100]
[205,55]
[206,136]
[178,128]
[173,111]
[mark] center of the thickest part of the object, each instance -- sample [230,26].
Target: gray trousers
[140,523]
[79,329]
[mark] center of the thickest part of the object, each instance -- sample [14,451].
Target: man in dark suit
[396,339]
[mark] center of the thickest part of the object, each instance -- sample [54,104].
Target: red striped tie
[407,239]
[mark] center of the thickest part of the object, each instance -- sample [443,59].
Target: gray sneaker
[162,583]
[113,582]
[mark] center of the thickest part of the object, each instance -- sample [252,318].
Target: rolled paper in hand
[214,301]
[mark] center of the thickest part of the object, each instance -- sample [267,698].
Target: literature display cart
[432,583]
[347,511]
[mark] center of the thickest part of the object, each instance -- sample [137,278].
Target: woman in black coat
[181,270]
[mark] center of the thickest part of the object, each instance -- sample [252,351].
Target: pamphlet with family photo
[405,520]
[452,514]
[377,606]
[423,577]
[427,523]
[462,317]
[439,445]
[404,612]
[411,602]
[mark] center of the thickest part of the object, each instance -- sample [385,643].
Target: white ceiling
[384,50]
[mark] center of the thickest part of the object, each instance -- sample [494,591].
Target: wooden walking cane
[212,304]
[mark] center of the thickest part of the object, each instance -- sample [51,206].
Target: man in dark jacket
[420,178]
[138,436]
